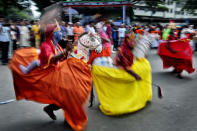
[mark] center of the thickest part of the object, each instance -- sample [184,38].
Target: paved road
[177,111]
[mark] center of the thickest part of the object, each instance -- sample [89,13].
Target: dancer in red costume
[177,54]
[62,83]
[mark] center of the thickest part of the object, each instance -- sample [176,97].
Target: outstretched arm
[137,77]
[60,56]
[63,55]
[169,48]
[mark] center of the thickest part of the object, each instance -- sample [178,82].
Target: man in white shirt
[90,28]
[4,43]
[121,34]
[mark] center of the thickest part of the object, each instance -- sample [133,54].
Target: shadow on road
[38,125]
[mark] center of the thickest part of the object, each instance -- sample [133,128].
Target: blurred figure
[36,30]
[4,43]
[90,28]
[24,35]
[69,31]
[115,37]
[121,34]
[77,30]
[166,32]
[15,34]
[63,42]
[109,33]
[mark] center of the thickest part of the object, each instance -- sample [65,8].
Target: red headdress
[49,31]
[124,57]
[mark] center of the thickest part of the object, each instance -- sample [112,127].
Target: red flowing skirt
[181,60]
[68,85]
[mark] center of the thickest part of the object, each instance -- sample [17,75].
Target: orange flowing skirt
[68,85]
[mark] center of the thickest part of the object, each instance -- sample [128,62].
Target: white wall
[174,11]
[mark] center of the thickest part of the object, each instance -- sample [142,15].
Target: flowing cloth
[67,84]
[181,59]
[119,92]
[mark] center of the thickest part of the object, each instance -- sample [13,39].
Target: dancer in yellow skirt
[118,91]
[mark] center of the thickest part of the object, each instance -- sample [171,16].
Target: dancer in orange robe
[62,83]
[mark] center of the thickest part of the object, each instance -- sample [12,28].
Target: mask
[57,36]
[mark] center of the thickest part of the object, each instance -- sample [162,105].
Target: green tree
[188,5]
[15,13]
[15,9]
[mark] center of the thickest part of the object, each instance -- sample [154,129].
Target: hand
[69,46]
[137,77]
[57,24]
[98,49]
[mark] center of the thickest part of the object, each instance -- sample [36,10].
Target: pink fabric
[109,33]
[105,44]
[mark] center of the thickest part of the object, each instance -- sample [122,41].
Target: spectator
[14,33]
[77,30]
[121,34]
[36,30]
[4,43]
[63,42]
[69,31]
[24,35]
[90,28]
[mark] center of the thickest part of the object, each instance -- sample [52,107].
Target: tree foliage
[15,9]
[190,6]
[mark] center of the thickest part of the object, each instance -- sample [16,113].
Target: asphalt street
[177,111]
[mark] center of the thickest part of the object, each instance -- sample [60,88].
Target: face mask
[57,36]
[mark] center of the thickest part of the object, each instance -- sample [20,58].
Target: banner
[115,3]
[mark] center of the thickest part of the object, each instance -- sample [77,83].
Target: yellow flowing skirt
[119,92]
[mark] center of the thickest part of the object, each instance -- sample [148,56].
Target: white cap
[70,23]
